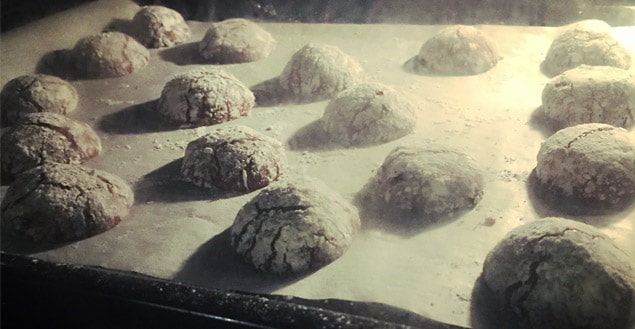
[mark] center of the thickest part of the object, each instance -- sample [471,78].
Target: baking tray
[179,232]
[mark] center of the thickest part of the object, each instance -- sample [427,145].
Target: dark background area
[517,12]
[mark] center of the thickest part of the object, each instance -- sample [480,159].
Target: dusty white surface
[180,232]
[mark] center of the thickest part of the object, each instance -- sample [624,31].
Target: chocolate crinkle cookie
[158,26]
[58,202]
[367,114]
[35,93]
[205,97]
[414,182]
[557,273]
[234,158]
[587,94]
[236,40]
[589,42]
[294,227]
[458,50]
[47,137]
[319,71]
[587,168]
[109,54]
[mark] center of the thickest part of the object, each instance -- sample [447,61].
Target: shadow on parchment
[125,26]
[136,119]
[216,265]
[184,54]
[17,245]
[57,63]
[543,124]
[311,137]
[551,203]
[166,184]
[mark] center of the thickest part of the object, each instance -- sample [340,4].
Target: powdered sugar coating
[369,113]
[587,94]
[458,50]
[589,166]
[320,71]
[158,26]
[205,97]
[294,227]
[47,137]
[587,42]
[109,54]
[34,93]
[235,158]
[425,181]
[60,202]
[559,273]
[236,40]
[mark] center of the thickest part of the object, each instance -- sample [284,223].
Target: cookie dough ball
[418,181]
[36,93]
[319,72]
[234,159]
[58,202]
[47,137]
[559,273]
[458,50]
[588,42]
[588,167]
[202,98]
[109,54]
[158,26]
[294,227]
[587,94]
[236,40]
[369,113]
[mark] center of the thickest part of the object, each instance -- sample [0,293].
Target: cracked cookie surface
[588,167]
[559,273]
[35,93]
[60,202]
[586,94]
[107,55]
[234,158]
[158,26]
[587,42]
[319,71]
[47,137]
[205,97]
[458,50]
[369,113]
[419,181]
[294,227]
[236,40]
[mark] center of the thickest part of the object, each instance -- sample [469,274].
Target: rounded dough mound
[236,40]
[109,54]
[414,181]
[588,167]
[158,26]
[233,158]
[587,94]
[369,113]
[34,93]
[294,227]
[587,42]
[458,50]
[47,137]
[559,273]
[319,72]
[205,98]
[58,202]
